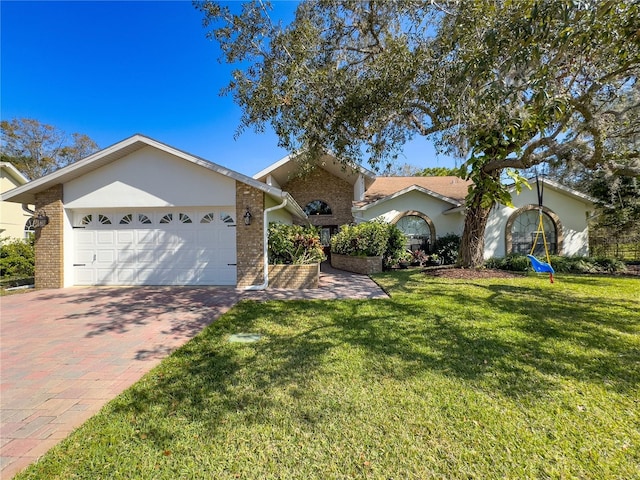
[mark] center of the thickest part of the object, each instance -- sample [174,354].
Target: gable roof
[26,193]
[14,173]
[450,189]
[413,188]
[286,168]
[560,188]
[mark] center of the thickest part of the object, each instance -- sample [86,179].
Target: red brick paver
[65,353]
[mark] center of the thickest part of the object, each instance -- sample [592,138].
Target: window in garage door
[162,247]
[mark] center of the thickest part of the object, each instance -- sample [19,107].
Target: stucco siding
[277,216]
[149,178]
[571,212]
[416,201]
[12,217]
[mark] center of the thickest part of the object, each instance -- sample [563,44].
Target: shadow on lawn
[517,341]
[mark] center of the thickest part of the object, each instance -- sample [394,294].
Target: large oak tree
[505,85]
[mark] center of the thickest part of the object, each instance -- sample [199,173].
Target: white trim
[26,193]
[404,191]
[274,166]
[265,252]
[558,186]
[14,172]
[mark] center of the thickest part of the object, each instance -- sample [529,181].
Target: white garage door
[155,247]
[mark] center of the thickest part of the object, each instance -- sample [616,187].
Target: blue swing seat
[540,267]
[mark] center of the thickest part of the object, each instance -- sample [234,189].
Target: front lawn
[493,378]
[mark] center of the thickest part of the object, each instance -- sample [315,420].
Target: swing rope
[537,265]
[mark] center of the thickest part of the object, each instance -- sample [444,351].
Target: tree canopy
[37,149]
[504,85]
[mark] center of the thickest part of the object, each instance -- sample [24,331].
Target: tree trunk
[475,223]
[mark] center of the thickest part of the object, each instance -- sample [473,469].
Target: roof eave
[558,186]
[26,193]
[404,191]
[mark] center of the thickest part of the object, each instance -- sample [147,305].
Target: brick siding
[322,185]
[249,238]
[49,241]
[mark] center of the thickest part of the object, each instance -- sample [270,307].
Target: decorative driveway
[67,352]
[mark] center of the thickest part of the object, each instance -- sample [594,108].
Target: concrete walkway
[66,353]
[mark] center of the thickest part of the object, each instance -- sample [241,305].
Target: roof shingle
[453,187]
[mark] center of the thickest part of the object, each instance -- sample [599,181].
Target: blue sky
[113,69]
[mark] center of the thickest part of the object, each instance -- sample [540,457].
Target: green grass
[481,379]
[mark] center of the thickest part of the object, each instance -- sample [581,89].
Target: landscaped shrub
[370,239]
[395,246]
[293,244]
[17,258]
[447,248]
[520,263]
[587,265]
[514,262]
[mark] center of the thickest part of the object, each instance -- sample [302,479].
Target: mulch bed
[470,273]
[473,274]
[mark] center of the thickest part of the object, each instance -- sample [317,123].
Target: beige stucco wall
[149,178]
[572,213]
[416,201]
[12,216]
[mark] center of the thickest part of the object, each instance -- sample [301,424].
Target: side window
[29,227]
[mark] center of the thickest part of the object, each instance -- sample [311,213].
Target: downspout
[266,247]
[25,207]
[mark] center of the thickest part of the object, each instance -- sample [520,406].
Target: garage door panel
[209,236]
[85,276]
[170,238]
[126,255]
[105,276]
[106,256]
[143,253]
[150,256]
[85,237]
[186,256]
[146,237]
[226,255]
[158,276]
[84,256]
[126,276]
[222,276]
[125,237]
[105,237]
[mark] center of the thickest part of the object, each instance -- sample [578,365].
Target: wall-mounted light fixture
[41,219]
[247,217]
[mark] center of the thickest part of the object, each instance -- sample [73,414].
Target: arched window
[524,226]
[418,230]
[317,207]
[29,227]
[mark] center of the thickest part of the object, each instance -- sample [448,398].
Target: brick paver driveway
[67,352]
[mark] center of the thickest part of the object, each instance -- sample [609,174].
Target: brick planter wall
[49,240]
[364,265]
[294,276]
